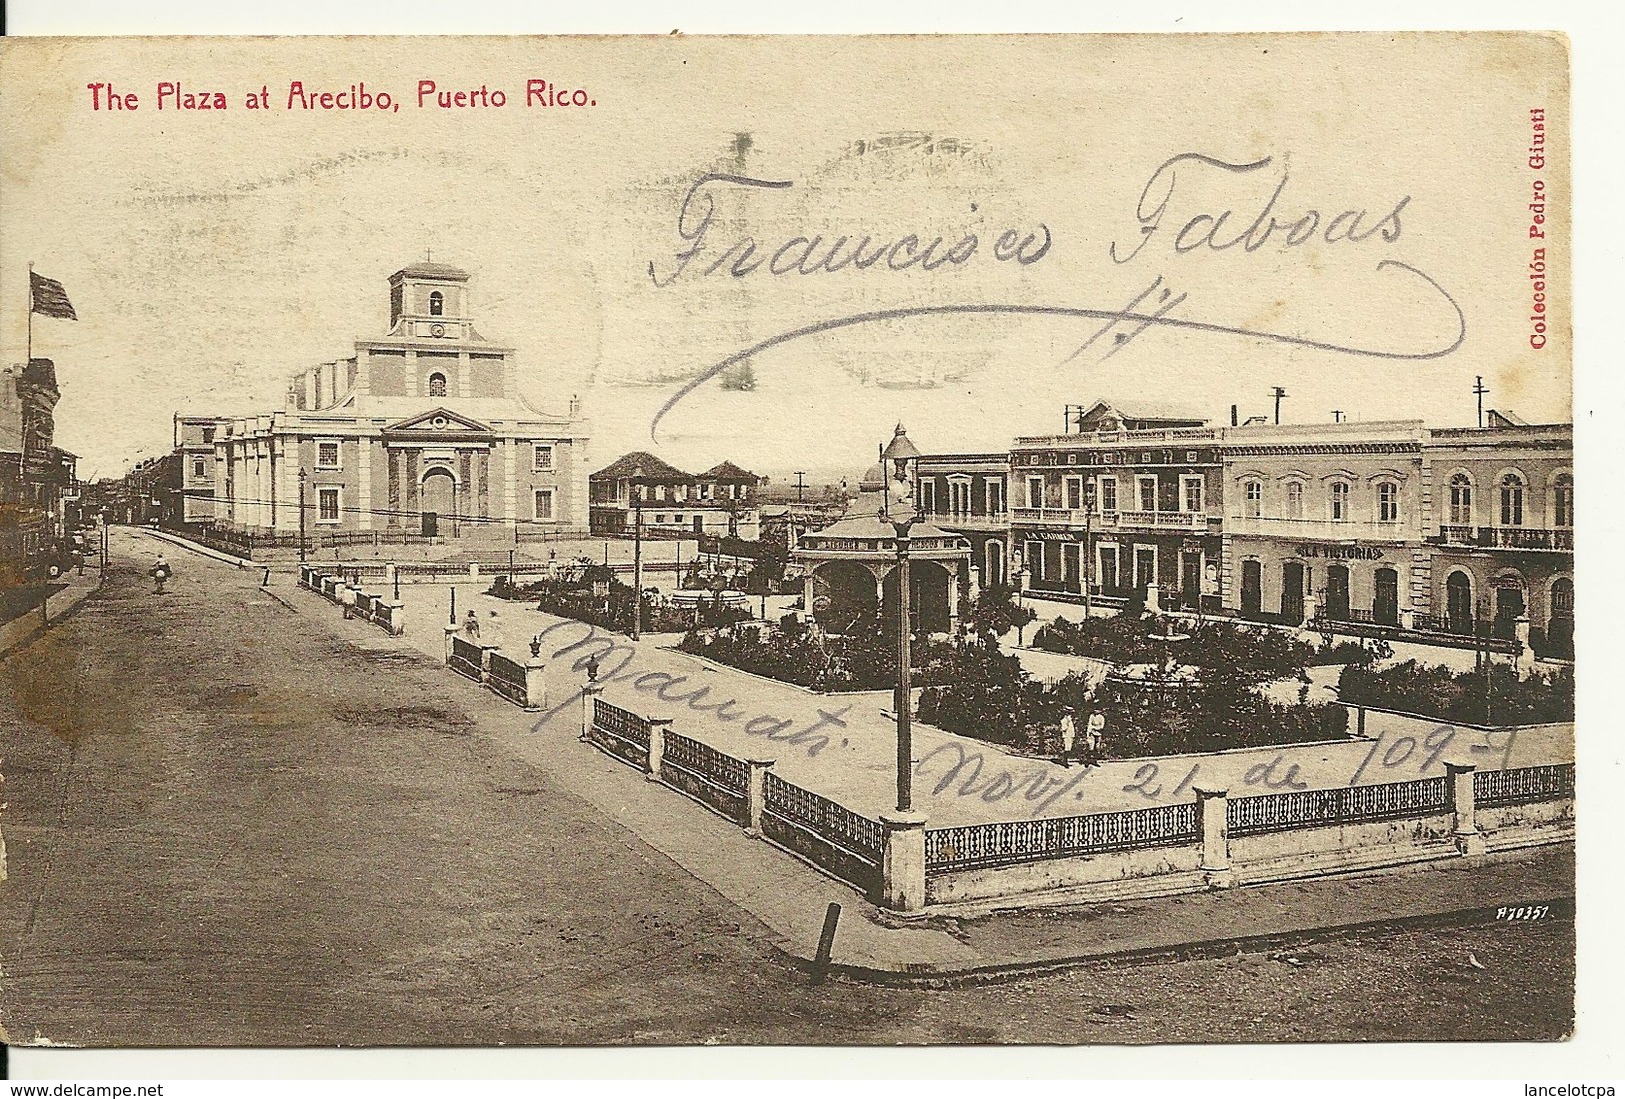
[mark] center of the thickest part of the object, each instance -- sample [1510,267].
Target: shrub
[1437,692]
[1255,654]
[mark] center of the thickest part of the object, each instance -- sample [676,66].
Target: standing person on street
[1069,736]
[159,573]
[1093,738]
[471,625]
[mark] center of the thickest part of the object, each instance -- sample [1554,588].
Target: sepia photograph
[938,540]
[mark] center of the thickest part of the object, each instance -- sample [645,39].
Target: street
[227,824]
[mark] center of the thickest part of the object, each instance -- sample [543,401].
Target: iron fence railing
[1522,785]
[976,846]
[1344,805]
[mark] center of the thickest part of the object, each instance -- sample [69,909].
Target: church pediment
[440,422]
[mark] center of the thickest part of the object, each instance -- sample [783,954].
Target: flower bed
[573,596]
[864,661]
[1256,654]
[1437,692]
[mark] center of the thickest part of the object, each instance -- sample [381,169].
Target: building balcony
[1183,522]
[1320,530]
[1559,540]
[964,520]
[1048,517]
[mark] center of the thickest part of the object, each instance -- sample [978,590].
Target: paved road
[844,746]
[227,825]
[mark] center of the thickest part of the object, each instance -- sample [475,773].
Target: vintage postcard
[804,541]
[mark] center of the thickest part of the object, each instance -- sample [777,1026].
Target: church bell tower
[429,301]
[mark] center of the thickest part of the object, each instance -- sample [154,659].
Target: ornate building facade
[422,430]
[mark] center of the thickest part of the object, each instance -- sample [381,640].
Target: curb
[924,976]
[38,631]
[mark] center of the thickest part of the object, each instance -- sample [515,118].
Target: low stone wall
[1046,875]
[388,614]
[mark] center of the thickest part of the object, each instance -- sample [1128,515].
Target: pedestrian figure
[1069,735]
[471,625]
[1092,738]
[159,573]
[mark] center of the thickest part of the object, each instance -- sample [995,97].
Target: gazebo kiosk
[850,567]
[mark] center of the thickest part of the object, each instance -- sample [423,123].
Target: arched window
[1339,502]
[437,385]
[1294,499]
[1252,494]
[1387,502]
[1461,500]
[1563,501]
[437,304]
[1512,500]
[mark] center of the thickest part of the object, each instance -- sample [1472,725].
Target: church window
[437,385]
[327,454]
[437,304]
[543,458]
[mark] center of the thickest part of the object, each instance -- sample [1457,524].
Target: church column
[953,598]
[363,468]
[396,462]
[510,456]
[464,382]
[288,474]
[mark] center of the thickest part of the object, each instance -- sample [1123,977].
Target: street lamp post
[903,703]
[303,476]
[900,455]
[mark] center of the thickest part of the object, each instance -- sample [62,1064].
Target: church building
[422,431]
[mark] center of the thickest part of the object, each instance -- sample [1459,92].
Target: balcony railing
[1113,520]
[1320,529]
[1523,538]
[967,521]
[1155,520]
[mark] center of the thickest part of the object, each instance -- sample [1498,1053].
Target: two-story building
[968,495]
[422,430]
[1126,499]
[188,474]
[720,501]
[1325,519]
[1501,529]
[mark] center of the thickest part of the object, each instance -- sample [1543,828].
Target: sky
[211,255]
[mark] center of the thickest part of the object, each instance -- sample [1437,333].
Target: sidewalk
[29,625]
[788,897]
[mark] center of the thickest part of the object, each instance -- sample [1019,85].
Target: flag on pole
[49,299]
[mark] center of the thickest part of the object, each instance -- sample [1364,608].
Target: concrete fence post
[535,688]
[1212,806]
[451,632]
[756,794]
[397,617]
[902,861]
[589,695]
[1153,598]
[1464,825]
[657,746]
[390,572]
[474,572]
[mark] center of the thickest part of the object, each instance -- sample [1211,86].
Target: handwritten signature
[806,255]
[615,661]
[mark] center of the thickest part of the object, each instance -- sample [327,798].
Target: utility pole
[1278,393]
[1337,415]
[1479,389]
[302,476]
[801,485]
[637,562]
